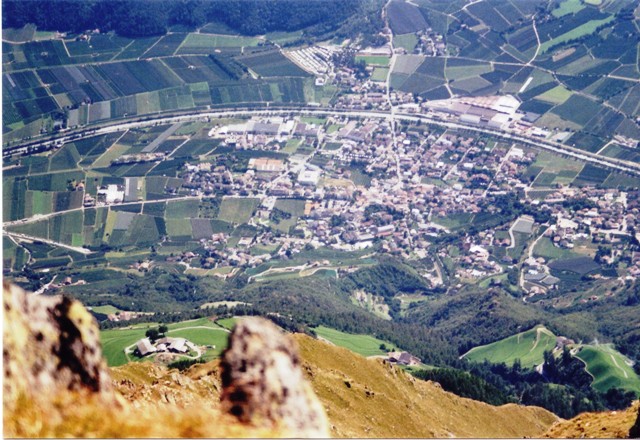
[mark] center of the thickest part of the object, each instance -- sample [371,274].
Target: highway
[429,118]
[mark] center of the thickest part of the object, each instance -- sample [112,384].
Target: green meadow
[528,346]
[364,345]
[200,332]
[609,368]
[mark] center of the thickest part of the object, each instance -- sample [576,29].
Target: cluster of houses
[363,186]
[145,347]
[124,316]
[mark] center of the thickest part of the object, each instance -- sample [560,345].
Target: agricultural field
[419,75]
[608,367]
[291,210]
[206,43]
[549,169]
[134,81]
[379,74]
[271,64]
[407,41]
[123,77]
[557,95]
[528,347]
[405,18]
[237,210]
[544,248]
[453,222]
[364,345]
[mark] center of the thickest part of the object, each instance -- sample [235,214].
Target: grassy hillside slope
[368,398]
[609,424]
[528,346]
[362,397]
[609,368]
[364,345]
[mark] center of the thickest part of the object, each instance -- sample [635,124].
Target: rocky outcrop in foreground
[262,381]
[56,382]
[605,424]
[51,344]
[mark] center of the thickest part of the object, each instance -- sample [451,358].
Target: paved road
[22,237]
[430,118]
[39,217]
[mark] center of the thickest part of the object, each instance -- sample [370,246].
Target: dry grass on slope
[362,398]
[367,398]
[379,401]
[87,416]
[607,424]
[147,382]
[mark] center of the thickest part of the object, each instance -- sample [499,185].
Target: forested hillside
[133,18]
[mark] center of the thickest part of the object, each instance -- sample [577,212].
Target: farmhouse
[166,344]
[402,358]
[144,347]
[178,345]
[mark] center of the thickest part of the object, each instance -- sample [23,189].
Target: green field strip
[557,95]
[575,33]
[374,60]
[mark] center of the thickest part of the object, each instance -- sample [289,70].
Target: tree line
[564,387]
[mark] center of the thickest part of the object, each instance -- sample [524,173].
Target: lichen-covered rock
[50,344]
[263,383]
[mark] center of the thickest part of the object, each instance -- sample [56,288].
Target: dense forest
[136,18]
